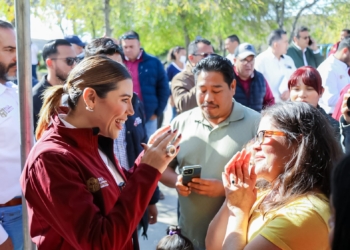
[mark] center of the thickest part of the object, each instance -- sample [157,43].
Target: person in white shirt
[231,43]
[334,74]
[11,227]
[34,55]
[275,65]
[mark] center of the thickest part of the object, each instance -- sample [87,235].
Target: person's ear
[48,62]
[295,39]
[89,97]
[322,91]
[190,58]
[234,60]
[233,87]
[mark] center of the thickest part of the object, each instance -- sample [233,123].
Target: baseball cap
[75,40]
[244,50]
[105,46]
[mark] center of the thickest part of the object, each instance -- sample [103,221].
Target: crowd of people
[269,133]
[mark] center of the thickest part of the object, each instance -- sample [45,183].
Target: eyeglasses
[69,60]
[204,55]
[123,37]
[245,61]
[260,136]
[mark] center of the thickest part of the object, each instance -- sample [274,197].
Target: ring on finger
[170,150]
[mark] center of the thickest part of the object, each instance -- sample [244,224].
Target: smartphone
[190,172]
[310,41]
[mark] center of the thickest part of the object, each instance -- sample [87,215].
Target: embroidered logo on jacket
[5,111]
[95,184]
[137,121]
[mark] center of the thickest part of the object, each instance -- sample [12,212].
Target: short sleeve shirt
[212,148]
[301,224]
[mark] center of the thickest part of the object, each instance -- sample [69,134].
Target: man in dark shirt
[60,59]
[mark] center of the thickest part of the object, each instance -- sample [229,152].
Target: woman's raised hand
[239,184]
[161,150]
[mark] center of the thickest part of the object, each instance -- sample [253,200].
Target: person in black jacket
[60,59]
[127,146]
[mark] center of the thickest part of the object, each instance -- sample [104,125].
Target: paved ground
[167,215]
[167,208]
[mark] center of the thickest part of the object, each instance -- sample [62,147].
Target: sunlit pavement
[167,208]
[167,215]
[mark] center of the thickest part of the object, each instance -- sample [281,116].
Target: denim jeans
[11,221]
[151,127]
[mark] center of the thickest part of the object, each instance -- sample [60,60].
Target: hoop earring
[89,109]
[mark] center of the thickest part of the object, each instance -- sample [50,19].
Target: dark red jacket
[73,200]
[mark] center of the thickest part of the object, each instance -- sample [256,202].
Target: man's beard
[5,70]
[61,76]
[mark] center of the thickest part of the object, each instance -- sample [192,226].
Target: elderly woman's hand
[162,151]
[239,184]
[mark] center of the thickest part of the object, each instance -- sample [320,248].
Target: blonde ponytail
[51,101]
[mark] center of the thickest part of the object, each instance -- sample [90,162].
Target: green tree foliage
[163,24]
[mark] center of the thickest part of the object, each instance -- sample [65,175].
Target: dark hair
[309,76]
[174,240]
[309,168]
[193,48]
[345,43]
[6,25]
[172,51]
[130,35]
[347,31]
[103,46]
[276,35]
[233,38]
[50,48]
[216,63]
[97,72]
[300,29]
[341,202]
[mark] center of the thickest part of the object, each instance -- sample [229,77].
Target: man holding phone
[211,134]
[304,50]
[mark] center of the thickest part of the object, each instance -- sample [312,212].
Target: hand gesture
[181,188]
[207,187]
[239,184]
[161,152]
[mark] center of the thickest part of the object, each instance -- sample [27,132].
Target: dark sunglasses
[204,55]
[123,37]
[69,60]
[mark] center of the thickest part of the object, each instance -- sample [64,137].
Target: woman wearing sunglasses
[78,196]
[295,151]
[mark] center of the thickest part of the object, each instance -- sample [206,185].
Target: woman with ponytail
[78,196]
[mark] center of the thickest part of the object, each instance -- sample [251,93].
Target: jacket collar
[86,138]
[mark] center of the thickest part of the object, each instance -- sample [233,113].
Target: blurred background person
[34,56]
[343,34]
[252,89]
[177,57]
[275,65]
[77,44]
[183,87]
[304,50]
[231,43]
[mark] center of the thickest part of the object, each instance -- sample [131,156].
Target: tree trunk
[297,18]
[107,11]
